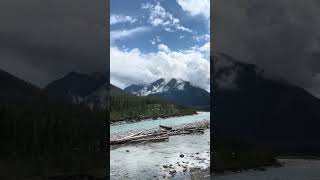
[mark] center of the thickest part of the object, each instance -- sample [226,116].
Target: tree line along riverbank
[135,108]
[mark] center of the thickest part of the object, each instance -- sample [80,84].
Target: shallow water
[293,169]
[149,123]
[145,161]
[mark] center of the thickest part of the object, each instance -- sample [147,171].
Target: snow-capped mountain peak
[159,86]
[174,90]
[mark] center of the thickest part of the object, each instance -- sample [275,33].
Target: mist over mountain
[280,36]
[250,107]
[175,90]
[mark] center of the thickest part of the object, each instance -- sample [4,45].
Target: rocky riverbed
[182,157]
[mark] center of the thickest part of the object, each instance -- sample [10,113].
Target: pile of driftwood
[162,134]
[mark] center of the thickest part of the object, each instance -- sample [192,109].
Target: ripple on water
[150,124]
[147,160]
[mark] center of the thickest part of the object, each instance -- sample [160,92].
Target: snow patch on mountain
[159,86]
[180,84]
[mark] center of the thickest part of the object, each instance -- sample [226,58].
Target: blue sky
[152,39]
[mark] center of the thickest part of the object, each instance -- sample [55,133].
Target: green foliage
[125,106]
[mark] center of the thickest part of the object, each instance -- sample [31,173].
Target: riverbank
[120,135]
[137,108]
[237,162]
[161,134]
[239,169]
[236,167]
[293,169]
[147,124]
[131,119]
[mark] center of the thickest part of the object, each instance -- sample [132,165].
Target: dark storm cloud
[42,40]
[281,36]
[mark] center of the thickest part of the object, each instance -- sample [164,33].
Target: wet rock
[194,169]
[185,169]
[259,169]
[172,172]
[199,159]
[235,170]
[165,166]
[127,150]
[181,155]
[164,176]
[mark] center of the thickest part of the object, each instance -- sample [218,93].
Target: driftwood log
[165,127]
[162,134]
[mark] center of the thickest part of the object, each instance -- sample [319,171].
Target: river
[149,123]
[293,169]
[149,160]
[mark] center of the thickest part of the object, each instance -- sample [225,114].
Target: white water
[145,161]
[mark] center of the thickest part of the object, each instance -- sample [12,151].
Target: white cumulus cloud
[115,19]
[160,17]
[164,48]
[155,40]
[196,7]
[119,34]
[134,67]
[203,37]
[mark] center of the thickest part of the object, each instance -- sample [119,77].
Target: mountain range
[89,89]
[76,88]
[247,105]
[17,91]
[251,107]
[174,90]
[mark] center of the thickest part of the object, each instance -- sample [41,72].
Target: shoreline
[239,170]
[202,124]
[264,167]
[295,167]
[306,157]
[143,118]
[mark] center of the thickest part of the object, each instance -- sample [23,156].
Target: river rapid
[182,157]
